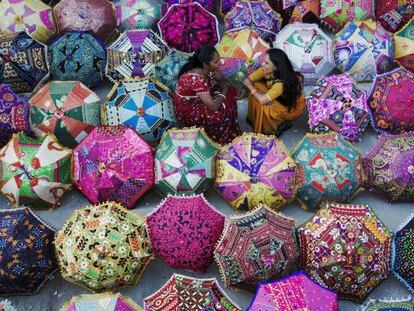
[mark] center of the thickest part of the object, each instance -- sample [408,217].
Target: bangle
[222,95]
[254,91]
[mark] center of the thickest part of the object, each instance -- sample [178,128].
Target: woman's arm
[259,95]
[212,103]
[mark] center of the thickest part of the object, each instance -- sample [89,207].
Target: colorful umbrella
[296,292]
[26,252]
[303,11]
[256,247]
[184,231]
[393,14]
[346,248]
[113,164]
[35,171]
[209,5]
[309,49]
[255,169]
[134,14]
[105,301]
[364,49]
[187,27]
[103,247]
[337,103]
[391,102]
[135,54]
[226,6]
[144,104]
[186,293]
[389,304]
[185,162]
[404,46]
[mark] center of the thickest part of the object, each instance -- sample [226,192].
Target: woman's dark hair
[202,56]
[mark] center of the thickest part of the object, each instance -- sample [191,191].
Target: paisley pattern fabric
[389,304]
[394,14]
[302,11]
[404,45]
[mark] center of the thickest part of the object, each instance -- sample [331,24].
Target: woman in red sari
[203,99]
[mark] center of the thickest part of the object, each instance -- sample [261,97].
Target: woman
[203,99]
[276,94]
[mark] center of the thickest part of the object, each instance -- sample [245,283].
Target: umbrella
[328,168]
[394,14]
[256,247]
[337,103]
[363,49]
[101,302]
[67,109]
[187,27]
[309,49]
[226,6]
[32,16]
[77,56]
[209,5]
[133,14]
[303,11]
[184,231]
[389,304]
[391,101]
[185,162]
[346,248]
[143,104]
[35,171]
[103,247]
[26,252]
[255,169]
[404,46]
[23,62]
[113,164]
[296,292]
[181,293]
[135,54]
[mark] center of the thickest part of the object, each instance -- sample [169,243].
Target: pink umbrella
[209,5]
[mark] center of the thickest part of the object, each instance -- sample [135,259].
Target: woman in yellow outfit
[276,94]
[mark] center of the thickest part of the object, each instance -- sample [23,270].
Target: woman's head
[276,61]
[206,58]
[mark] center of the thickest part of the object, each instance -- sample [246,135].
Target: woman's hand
[247,83]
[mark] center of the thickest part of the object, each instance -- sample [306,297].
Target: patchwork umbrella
[187,27]
[103,247]
[226,6]
[404,46]
[144,104]
[23,62]
[337,103]
[255,169]
[256,247]
[105,301]
[364,49]
[296,292]
[69,110]
[303,11]
[391,101]
[35,171]
[134,54]
[134,14]
[184,231]
[346,248]
[209,5]
[113,164]
[185,162]
[185,293]
[393,14]
[389,304]
[26,251]
[309,49]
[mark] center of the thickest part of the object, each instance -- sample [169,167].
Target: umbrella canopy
[26,251]
[303,11]
[184,231]
[185,162]
[187,27]
[144,104]
[209,5]
[359,52]
[255,169]
[404,46]
[181,293]
[391,102]
[105,301]
[113,164]
[337,103]
[389,304]
[256,247]
[23,62]
[35,171]
[346,248]
[309,49]
[134,14]
[226,6]
[134,54]
[103,247]
[328,168]
[393,14]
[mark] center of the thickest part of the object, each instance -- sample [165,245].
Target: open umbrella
[105,301]
[113,164]
[393,14]
[209,5]
[226,6]
[404,45]
[134,14]
[389,304]
[143,104]
[303,11]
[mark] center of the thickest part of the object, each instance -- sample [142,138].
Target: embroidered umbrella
[226,6]
[105,301]
[404,46]
[187,27]
[346,248]
[185,293]
[393,14]
[391,102]
[303,11]
[296,292]
[337,103]
[134,14]
[113,164]
[35,171]
[389,304]
[209,5]
[185,162]
[103,247]
[135,54]
[144,104]
[309,49]
[255,169]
